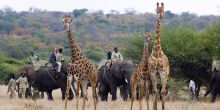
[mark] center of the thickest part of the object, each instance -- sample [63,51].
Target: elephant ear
[115,71]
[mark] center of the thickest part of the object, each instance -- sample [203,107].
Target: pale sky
[200,7]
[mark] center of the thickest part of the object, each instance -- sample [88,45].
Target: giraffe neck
[157,45]
[75,50]
[145,52]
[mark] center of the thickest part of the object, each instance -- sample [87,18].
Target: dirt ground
[58,104]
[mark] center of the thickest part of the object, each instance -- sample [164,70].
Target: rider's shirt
[116,57]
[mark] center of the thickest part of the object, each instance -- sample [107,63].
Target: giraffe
[141,74]
[158,62]
[79,67]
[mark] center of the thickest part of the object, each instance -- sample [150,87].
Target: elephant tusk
[72,88]
[126,80]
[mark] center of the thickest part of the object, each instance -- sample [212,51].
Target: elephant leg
[124,92]
[42,95]
[106,96]
[197,91]
[214,95]
[121,91]
[28,93]
[114,92]
[63,91]
[70,95]
[49,94]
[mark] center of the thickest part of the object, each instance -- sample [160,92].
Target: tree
[79,12]
[168,15]
[8,27]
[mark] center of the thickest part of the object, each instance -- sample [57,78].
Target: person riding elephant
[116,56]
[59,59]
[33,60]
[44,81]
[109,56]
[119,75]
[52,58]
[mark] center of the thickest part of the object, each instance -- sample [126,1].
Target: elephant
[28,69]
[118,75]
[214,86]
[44,79]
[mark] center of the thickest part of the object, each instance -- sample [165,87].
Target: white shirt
[192,85]
[116,57]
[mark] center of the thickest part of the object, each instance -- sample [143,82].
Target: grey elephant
[44,79]
[214,86]
[118,75]
[28,69]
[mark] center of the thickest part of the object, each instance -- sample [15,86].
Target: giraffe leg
[133,94]
[77,93]
[93,80]
[163,90]
[94,96]
[84,91]
[155,93]
[140,91]
[147,92]
[69,80]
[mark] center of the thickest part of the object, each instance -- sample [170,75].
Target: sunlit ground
[58,104]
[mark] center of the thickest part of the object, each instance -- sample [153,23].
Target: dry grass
[58,104]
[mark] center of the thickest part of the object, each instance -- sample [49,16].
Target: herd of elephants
[108,80]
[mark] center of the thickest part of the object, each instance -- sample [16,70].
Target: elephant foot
[114,99]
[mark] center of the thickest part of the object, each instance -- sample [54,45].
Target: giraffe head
[147,37]
[160,10]
[66,21]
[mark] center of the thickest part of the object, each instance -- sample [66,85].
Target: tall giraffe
[158,61]
[140,75]
[79,67]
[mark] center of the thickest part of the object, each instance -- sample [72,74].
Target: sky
[199,7]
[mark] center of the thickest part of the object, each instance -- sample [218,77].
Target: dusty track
[58,104]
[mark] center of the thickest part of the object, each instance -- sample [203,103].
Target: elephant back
[26,68]
[119,69]
[216,65]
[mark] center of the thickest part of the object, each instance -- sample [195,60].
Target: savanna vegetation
[190,41]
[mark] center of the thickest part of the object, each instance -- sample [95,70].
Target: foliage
[79,12]
[190,52]
[94,53]
[8,66]
[190,41]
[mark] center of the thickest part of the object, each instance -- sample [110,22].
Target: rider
[33,59]
[116,56]
[52,58]
[109,55]
[59,59]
